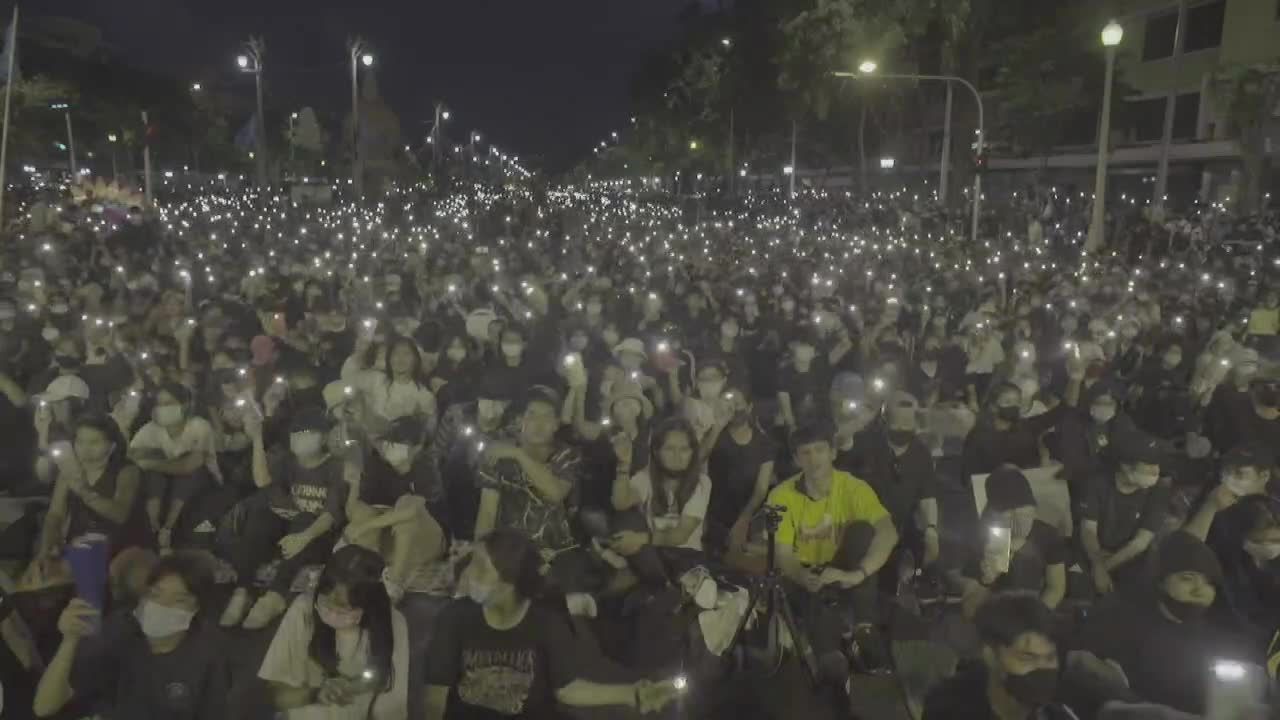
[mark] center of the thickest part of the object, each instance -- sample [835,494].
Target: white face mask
[167,415]
[512,350]
[160,621]
[1103,414]
[594,308]
[305,444]
[1263,552]
[456,355]
[396,453]
[611,338]
[804,354]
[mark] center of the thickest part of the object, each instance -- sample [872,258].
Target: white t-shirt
[696,507]
[287,662]
[390,401]
[197,435]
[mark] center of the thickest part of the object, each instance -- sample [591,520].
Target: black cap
[1140,448]
[1008,488]
[1183,552]
[1249,455]
[309,419]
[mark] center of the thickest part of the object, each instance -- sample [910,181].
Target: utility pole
[1170,105]
[945,171]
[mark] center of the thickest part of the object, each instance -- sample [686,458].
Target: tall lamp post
[250,61]
[360,55]
[868,69]
[442,114]
[71,137]
[1112,34]
[113,139]
[293,140]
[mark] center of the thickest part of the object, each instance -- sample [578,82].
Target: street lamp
[727,42]
[196,87]
[293,138]
[251,61]
[359,55]
[693,144]
[71,138]
[868,69]
[1112,35]
[113,138]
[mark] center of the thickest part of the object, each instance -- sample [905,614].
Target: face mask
[59,309]
[1238,484]
[729,331]
[1035,688]
[512,350]
[338,619]
[710,389]
[1172,361]
[901,438]
[167,415]
[305,444]
[929,367]
[1102,415]
[578,343]
[396,453]
[788,306]
[50,333]
[1009,413]
[1262,552]
[594,308]
[1184,612]
[160,621]
[804,354]
[456,355]
[1144,480]
[610,337]
[1267,397]
[67,362]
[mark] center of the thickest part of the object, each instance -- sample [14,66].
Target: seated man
[1015,549]
[1249,548]
[1246,471]
[1017,678]
[835,535]
[1160,639]
[1120,519]
[295,520]
[531,484]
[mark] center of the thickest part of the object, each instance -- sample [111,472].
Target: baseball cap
[1183,552]
[309,419]
[1008,488]
[65,387]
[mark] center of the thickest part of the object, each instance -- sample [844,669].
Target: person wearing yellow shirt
[834,537]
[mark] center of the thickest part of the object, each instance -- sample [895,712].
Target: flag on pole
[9,55]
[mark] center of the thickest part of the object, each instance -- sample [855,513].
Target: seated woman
[342,652]
[503,652]
[1016,551]
[95,491]
[392,505]
[158,661]
[177,453]
[665,505]
[397,389]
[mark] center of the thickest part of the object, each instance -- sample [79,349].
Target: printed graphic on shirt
[823,531]
[497,679]
[309,499]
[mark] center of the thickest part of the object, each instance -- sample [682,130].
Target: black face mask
[1009,414]
[67,362]
[1034,689]
[1184,612]
[1267,396]
[901,438]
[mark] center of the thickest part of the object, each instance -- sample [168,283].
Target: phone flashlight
[663,346]
[680,682]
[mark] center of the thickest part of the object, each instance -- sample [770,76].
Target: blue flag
[10,49]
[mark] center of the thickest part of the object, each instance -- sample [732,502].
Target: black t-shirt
[382,485]
[733,469]
[807,390]
[501,673]
[299,491]
[117,673]
[1120,516]
[901,481]
[1044,547]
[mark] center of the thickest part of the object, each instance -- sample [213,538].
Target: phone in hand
[1237,691]
[1000,547]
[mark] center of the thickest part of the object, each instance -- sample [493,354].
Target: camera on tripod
[771,515]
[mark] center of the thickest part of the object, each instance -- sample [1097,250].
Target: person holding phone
[159,660]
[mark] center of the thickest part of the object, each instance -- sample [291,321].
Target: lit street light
[867,69]
[71,138]
[367,59]
[251,61]
[196,87]
[693,144]
[113,138]
[1112,35]
[359,55]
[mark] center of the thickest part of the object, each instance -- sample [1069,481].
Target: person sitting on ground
[295,520]
[159,660]
[1016,550]
[1249,548]
[1246,471]
[508,650]
[1160,638]
[342,652]
[835,534]
[1017,678]
[177,454]
[1003,436]
[1120,519]
[393,504]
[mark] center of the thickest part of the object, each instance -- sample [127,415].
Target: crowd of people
[600,431]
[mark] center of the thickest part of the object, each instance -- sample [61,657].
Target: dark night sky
[544,77]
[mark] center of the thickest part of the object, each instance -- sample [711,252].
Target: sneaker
[269,607]
[233,615]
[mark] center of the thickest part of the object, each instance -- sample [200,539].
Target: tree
[307,133]
[1249,93]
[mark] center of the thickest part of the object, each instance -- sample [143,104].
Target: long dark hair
[108,428]
[688,479]
[394,342]
[517,560]
[360,570]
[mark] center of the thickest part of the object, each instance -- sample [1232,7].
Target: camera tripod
[777,610]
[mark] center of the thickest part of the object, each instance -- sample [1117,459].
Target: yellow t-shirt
[1264,321]
[815,528]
